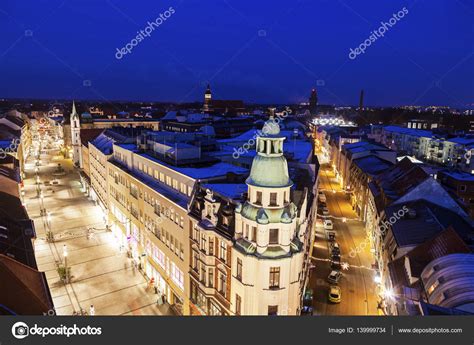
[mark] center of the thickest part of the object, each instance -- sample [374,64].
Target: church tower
[268,253]
[207,99]
[76,136]
[313,102]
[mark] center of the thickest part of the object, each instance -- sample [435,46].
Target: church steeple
[76,136]
[207,99]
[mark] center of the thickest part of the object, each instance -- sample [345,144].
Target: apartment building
[148,196]
[428,146]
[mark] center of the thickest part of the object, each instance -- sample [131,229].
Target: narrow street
[101,273]
[358,289]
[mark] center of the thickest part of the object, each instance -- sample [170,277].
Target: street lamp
[65,263]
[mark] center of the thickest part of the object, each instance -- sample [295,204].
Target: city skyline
[246,51]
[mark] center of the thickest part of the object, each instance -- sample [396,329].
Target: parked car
[334,294]
[335,248]
[331,236]
[307,303]
[322,197]
[325,211]
[334,277]
[336,257]
[336,264]
[328,225]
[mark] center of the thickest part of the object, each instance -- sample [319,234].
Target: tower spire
[74,112]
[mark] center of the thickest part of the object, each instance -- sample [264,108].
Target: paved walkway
[102,275]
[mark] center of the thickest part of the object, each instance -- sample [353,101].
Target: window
[195,260]
[222,283]
[238,304]
[168,180]
[254,233]
[272,310]
[258,200]
[183,188]
[195,233]
[175,184]
[462,188]
[162,177]
[177,276]
[203,243]
[223,251]
[211,278]
[211,246]
[246,233]
[202,277]
[273,236]
[274,277]
[214,310]
[273,199]
[239,269]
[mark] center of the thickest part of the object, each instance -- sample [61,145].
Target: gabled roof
[428,221]
[445,243]
[24,290]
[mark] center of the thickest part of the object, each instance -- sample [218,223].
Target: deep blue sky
[426,58]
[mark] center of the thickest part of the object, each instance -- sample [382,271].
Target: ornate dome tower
[268,208]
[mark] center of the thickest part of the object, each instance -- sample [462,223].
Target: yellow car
[334,294]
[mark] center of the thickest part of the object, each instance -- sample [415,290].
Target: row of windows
[163,261]
[207,244]
[165,179]
[250,234]
[274,275]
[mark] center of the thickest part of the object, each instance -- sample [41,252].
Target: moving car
[307,303]
[334,277]
[322,197]
[334,294]
[328,225]
[331,236]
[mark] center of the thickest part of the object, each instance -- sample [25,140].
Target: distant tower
[76,136]
[313,101]
[361,100]
[207,99]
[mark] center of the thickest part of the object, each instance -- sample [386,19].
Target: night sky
[258,51]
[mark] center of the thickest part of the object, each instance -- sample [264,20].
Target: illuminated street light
[377,279]
[388,294]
